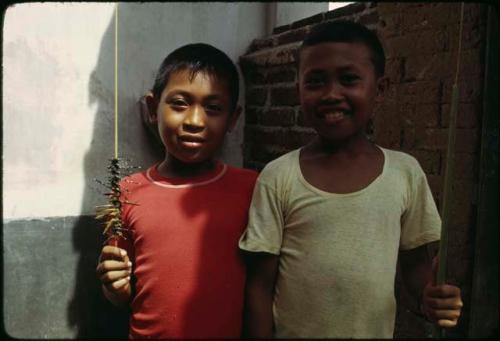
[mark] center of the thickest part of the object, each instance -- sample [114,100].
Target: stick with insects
[111,213]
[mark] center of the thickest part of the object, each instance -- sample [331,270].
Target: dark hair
[344,31]
[199,58]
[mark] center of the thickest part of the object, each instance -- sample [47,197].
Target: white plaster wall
[58,91]
[288,12]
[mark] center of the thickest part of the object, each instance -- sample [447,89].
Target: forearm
[259,313]
[416,270]
[259,291]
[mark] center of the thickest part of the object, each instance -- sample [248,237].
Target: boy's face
[194,115]
[338,88]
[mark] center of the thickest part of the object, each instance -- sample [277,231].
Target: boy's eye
[178,103]
[314,81]
[349,78]
[216,108]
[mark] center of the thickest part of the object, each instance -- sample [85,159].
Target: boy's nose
[195,119]
[333,92]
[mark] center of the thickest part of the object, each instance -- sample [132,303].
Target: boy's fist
[441,304]
[114,270]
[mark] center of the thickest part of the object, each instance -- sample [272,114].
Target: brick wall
[420,40]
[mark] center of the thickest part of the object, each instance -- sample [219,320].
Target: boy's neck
[173,168]
[355,145]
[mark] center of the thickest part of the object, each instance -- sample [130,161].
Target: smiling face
[194,114]
[338,89]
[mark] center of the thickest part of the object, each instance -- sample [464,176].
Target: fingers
[442,304]
[114,268]
[442,291]
[443,318]
[117,285]
[113,276]
[112,252]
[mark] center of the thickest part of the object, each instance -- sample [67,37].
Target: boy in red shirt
[179,268]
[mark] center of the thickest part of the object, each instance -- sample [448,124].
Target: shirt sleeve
[420,223]
[264,232]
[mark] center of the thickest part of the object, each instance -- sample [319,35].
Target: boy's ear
[382,85]
[234,118]
[149,106]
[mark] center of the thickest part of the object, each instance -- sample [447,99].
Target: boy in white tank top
[328,221]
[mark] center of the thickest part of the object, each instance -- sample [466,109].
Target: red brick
[411,5]
[409,138]
[420,92]
[473,36]
[431,138]
[415,20]
[253,115]
[427,114]
[278,117]
[389,26]
[301,121]
[406,112]
[427,67]
[430,161]
[277,56]
[281,74]
[400,46]
[292,36]
[474,12]
[265,153]
[256,96]
[465,167]
[387,136]
[388,8]
[369,19]
[280,29]
[434,15]
[254,75]
[470,90]
[394,69]
[467,141]
[468,115]
[259,44]
[471,65]
[436,184]
[308,21]
[419,115]
[296,138]
[387,126]
[461,200]
[269,135]
[284,95]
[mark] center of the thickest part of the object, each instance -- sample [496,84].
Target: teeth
[334,116]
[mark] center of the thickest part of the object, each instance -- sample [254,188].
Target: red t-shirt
[183,242]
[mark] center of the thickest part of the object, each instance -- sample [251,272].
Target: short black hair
[197,58]
[344,31]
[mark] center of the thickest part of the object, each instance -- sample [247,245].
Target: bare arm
[440,304]
[416,268]
[259,291]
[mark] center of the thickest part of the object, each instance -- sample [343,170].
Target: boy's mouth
[332,117]
[191,141]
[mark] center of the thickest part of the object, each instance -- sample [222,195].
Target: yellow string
[116,81]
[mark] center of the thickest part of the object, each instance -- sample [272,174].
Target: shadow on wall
[88,311]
